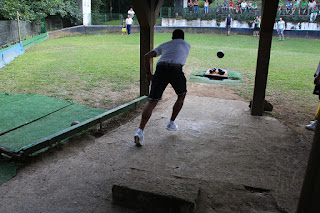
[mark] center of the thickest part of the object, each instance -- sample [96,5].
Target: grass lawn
[103,70]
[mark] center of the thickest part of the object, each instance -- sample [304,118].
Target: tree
[31,10]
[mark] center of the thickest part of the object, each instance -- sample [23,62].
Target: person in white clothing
[281,26]
[174,54]
[131,13]
[129,22]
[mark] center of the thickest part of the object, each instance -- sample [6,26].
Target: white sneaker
[138,137]
[172,126]
[312,126]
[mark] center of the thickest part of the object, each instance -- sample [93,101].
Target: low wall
[170,22]
[101,29]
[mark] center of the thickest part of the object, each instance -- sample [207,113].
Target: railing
[189,14]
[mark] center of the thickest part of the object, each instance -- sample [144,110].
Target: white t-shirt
[244,4]
[206,4]
[281,25]
[175,51]
[129,21]
[131,13]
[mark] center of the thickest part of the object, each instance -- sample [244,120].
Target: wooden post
[310,193]
[269,12]
[147,12]
[146,44]
[18,27]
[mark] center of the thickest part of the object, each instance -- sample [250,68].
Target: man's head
[176,34]
[280,19]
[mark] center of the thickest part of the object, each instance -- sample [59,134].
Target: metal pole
[18,27]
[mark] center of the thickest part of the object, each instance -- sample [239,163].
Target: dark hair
[177,34]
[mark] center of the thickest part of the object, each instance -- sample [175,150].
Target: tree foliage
[30,10]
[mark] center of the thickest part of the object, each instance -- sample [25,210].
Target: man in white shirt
[244,6]
[129,22]
[131,13]
[174,54]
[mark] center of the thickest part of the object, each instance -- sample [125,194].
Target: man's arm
[147,58]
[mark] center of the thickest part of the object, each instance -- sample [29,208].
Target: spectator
[129,22]
[238,5]
[225,5]
[228,24]
[190,5]
[230,6]
[281,25]
[313,124]
[244,6]
[256,28]
[295,7]
[288,6]
[255,7]
[313,14]
[131,13]
[206,6]
[311,4]
[218,6]
[195,6]
[124,28]
[280,5]
[249,6]
[303,7]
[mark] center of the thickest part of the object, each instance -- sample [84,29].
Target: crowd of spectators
[289,7]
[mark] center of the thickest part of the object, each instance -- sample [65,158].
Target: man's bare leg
[177,106]
[147,112]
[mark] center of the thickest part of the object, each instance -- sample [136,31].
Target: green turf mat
[8,98]
[234,78]
[21,112]
[48,125]
[7,171]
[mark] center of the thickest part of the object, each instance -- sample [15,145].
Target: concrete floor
[241,163]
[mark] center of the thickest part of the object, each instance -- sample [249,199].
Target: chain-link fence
[11,32]
[190,14]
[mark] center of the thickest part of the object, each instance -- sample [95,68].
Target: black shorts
[164,75]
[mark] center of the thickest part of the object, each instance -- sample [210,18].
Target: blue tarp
[7,55]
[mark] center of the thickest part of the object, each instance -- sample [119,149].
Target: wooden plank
[66,133]
[268,19]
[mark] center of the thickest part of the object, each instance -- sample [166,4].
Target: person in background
[303,7]
[230,6]
[195,6]
[313,124]
[225,6]
[206,6]
[280,6]
[281,25]
[295,7]
[228,24]
[244,6]
[131,13]
[124,27]
[218,6]
[311,5]
[190,5]
[174,54]
[313,14]
[255,7]
[129,22]
[250,7]
[256,28]
[288,6]
[238,6]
